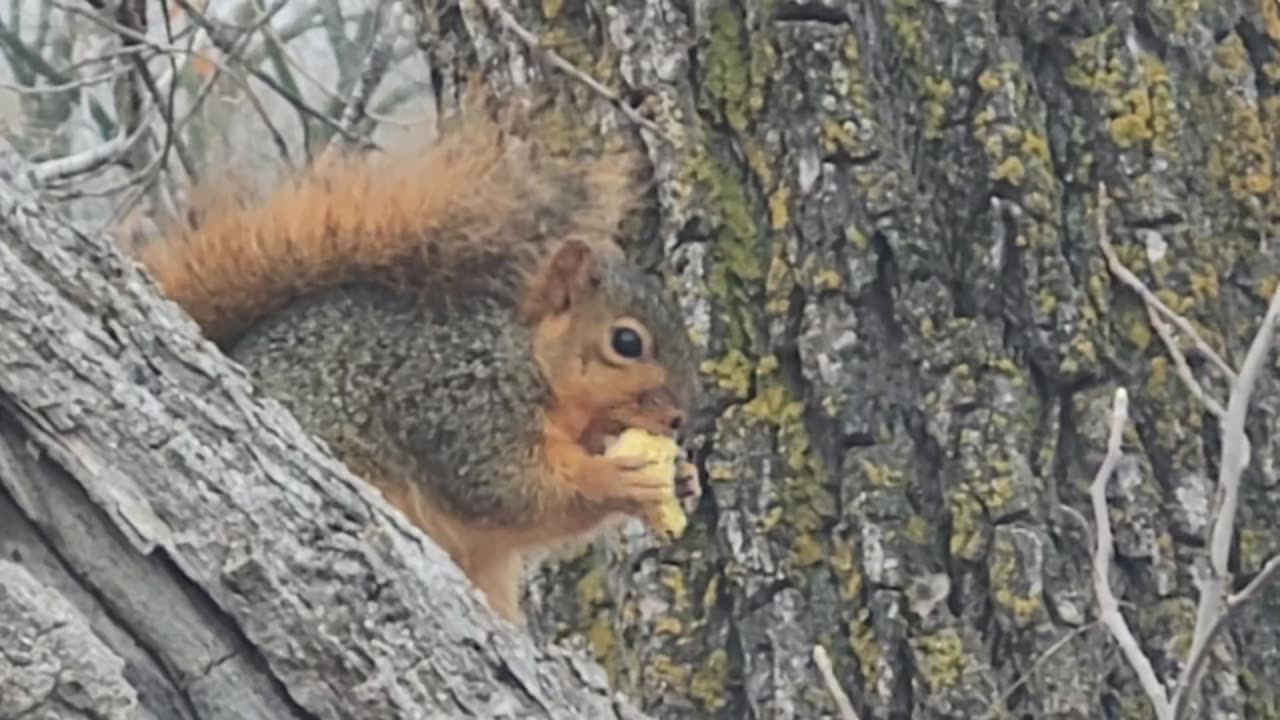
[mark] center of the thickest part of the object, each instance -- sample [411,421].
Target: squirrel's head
[611,343]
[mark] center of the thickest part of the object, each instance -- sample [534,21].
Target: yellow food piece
[666,519]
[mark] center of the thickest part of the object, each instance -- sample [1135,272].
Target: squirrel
[461,327]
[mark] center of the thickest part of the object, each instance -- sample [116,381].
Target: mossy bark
[881,218]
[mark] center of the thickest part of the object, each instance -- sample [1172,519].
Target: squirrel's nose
[677,420]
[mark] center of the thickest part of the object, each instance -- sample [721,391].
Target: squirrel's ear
[566,275]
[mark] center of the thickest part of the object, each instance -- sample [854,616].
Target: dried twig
[823,662]
[375,65]
[87,160]
[1214,608]
[1210,611]
[1044,657]
[504,16]
[229,46]
[1126,276]
[1195,664]
[1109,609]
[225,44]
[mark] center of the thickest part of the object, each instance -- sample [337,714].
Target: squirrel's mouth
[600,434]
[604,432]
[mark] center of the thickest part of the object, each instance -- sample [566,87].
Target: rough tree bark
[186,551]
[881,217]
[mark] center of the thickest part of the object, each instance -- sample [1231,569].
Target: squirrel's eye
[627,343]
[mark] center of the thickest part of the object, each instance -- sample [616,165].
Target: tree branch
[1108,608]
[1210,612]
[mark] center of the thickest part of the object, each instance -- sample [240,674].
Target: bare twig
[77,84]
[1196,663]
[26,63]
[1214,609]
[224,43]
[823,662]
[1044,657]
[1233,461]
[1153,312]
[1128,278]
[1109,609]
[374,69]
[1185,374]
[504,16]
[88,160]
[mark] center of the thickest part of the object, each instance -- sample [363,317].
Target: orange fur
[448,215]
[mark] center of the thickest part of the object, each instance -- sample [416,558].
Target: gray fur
[413,386]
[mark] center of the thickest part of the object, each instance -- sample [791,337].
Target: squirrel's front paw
[688,485]
[631,480]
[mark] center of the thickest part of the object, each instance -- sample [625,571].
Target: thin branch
[1128,278]
[1234,459]
[507,20]
[374,69]
[1109,609]
[1196,663]
[87,160]
[230,47]
[32,61]
[1044,657]
[1185,374]
[823,662]
[1151,303]
[62,87]
[223,43]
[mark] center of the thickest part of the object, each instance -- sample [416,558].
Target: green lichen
[663,670]
[805,551]
[778,215]
[1241,152]
[880,475]
[905,21]
[968,534]
[595,622]
[738,268]
[778,284]
[865,647]
[732,372]
[708,684]
[845,569]
[1010,170]
[674,581]
[737,68]
[918,530]
[941,658]
[1004,575]
[936,93]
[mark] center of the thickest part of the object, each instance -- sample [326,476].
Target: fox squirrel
[460,328]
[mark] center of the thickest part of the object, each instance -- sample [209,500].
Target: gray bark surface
[881,217]
[237,569]
[51,663]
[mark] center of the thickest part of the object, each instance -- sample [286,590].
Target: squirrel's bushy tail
[471,208]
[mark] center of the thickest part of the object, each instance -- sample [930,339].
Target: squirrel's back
[475,207]
[441,393]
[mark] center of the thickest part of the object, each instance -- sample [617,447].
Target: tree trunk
[881,217]
[187,551]
[882,221]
